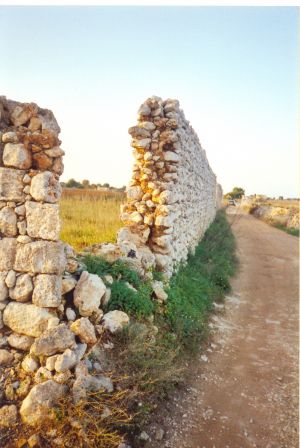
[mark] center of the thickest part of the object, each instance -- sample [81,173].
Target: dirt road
[242,391]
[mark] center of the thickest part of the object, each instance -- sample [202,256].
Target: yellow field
[89,216]
[283,203]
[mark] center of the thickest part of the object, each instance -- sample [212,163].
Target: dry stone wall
[173,195]
[51,309]
[51,313]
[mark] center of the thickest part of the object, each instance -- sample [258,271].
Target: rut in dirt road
[244,391]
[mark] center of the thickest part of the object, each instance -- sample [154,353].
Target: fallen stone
[106,298]
[88,383]
[40,400]
[50,362]
[30,364]
[158,289]
[88,293]
[8,415]
[84,330]
[28,319]
[71,315]
[6,357]
[47,291]
[17,155]
[115,321]
[66,361]
[42,374]
[52,341]
[20,341]
[68,284]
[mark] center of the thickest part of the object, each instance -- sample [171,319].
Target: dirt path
[242,392]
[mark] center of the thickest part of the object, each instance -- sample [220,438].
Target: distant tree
[106,185]
[236,193]
[72,183]
[86,183]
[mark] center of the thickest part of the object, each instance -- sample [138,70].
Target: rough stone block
[7,253]
[40,257]
[42,220]
[45,187]
[17,155]
[11,184]
[47,291]
[25,318]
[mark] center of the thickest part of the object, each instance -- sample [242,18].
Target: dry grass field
[89,216]
[285,203]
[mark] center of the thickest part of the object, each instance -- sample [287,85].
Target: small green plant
[137,303]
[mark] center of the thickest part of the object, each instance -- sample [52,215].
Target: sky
[235,71]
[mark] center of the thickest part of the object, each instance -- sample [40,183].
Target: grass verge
[289,230]
[151,351]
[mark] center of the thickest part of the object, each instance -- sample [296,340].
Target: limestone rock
[134,193]
[88,293]
[52,341]
[110,252]
[42,374]
[44,187]
[6,357]
[22,113]
[85,383]
[28,319]
[71,315]
[30,364]
[23,288]
[40,399]
[20,341]
[115,321]
[171,156]
[10,137]
[42,220]
[47,291]
[8,222]
[8,248]
[44,257]
[68,284]
[84,330]
[158,288]
[17,155]
[8,415]
[106,298]
[10,279]
[11,184]
[3,287]
[66,361]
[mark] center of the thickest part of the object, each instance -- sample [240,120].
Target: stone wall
[52,318]
[50,308]
[32,259]
[173,194]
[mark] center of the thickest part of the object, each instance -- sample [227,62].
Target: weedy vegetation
[151,352]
